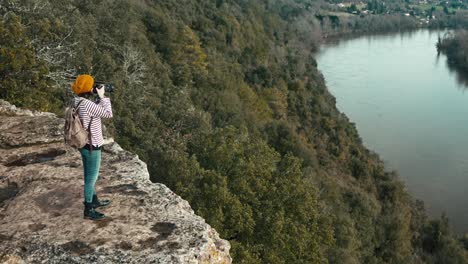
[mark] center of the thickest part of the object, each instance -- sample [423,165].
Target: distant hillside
[223,100]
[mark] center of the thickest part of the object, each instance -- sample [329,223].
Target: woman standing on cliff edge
[90,115]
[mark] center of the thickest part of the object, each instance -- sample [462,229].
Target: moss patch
[164,229]
[125,189]
[8,192]
[78,247]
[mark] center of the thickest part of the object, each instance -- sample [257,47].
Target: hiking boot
[91,214]
[99,203]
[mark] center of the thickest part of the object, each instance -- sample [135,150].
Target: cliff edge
[41,204]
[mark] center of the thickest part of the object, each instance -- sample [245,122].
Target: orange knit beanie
[83,84]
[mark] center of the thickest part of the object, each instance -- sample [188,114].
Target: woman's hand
[100,91]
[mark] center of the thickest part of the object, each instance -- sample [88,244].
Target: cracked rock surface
[41,204]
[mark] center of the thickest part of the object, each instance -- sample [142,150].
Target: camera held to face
[109,88]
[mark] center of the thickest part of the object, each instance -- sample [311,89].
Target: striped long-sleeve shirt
[90,111]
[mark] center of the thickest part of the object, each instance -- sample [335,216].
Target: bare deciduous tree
[57,51]
[24,7]
[57,54]
[133,65]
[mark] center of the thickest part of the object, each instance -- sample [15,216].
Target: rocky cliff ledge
[41,204]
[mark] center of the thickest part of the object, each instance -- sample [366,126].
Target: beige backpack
[74,133]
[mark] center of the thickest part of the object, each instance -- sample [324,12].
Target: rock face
[41,204]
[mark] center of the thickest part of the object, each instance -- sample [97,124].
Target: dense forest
[223,100]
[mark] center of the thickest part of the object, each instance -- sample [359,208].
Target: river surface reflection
[411,108]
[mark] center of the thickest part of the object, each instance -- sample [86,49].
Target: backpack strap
[90,137]
[76,107]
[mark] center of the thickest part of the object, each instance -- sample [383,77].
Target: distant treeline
[338,25]
[333,25]
[459,20]
[224,102]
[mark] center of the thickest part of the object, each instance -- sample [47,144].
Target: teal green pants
[91,164]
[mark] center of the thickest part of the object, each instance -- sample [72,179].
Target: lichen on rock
[41,204]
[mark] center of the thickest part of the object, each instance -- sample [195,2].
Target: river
[411,109]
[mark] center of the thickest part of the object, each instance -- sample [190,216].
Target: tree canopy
[224,102]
